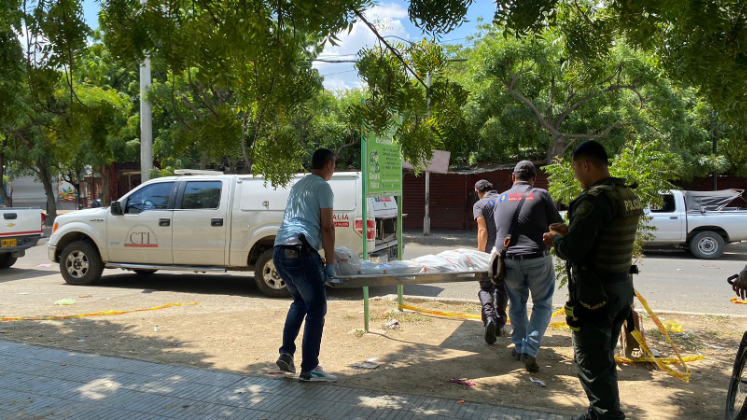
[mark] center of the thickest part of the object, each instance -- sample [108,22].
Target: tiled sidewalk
[40,383]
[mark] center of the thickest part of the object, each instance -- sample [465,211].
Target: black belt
[521,257]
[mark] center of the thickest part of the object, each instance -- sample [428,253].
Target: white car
[207,222]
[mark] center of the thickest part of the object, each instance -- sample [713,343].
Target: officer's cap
[483,185]
[525,168]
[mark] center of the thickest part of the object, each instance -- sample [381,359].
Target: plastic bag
[392,267]
[347,262]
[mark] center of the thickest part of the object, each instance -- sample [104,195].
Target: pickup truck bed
[20,229]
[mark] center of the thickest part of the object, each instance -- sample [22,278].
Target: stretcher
[374,280]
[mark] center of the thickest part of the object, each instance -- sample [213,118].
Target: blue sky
[392,14]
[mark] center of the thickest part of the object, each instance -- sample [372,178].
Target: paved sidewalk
[41,383]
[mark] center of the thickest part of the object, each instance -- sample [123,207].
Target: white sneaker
[317,375]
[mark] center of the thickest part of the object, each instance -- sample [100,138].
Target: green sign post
[381,168]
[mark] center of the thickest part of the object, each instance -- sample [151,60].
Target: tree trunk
[203,161]
[8,201]
[556,149]
[105,197]
[46,180]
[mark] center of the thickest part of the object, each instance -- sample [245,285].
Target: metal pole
[364,216]
[713,135]
[146,119]
[427,218]
[400,244]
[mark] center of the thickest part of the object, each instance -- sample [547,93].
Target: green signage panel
[384,165]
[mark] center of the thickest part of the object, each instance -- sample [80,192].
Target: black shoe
[516,355]
[530,363]
[285,363]
[491,327]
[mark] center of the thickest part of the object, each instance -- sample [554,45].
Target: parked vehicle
[699,221]
[207,222]
[21,229]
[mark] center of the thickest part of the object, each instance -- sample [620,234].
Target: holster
[589,290]
[497,268]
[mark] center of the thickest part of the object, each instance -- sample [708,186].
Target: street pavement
[41,383]
[671,280]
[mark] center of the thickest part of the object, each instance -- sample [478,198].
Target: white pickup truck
[207,223]
[699,221]
[21,229]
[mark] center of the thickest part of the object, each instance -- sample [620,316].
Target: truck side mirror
[117,208]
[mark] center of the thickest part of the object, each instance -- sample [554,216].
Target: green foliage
[442,16]
[645,165]
[431,116]
[698,43]
[160,173]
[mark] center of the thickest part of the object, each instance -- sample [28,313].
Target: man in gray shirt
[492,298]
[529,265]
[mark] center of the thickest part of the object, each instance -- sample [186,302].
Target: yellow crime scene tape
[660,362]
[457,315]
[101,313]
[666,360]
[685,375]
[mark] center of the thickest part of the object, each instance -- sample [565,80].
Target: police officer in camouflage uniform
[599,245]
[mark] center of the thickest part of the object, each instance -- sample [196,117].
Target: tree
[701,43]
[645,165]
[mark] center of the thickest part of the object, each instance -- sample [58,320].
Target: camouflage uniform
[603,223]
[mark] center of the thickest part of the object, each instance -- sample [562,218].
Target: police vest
[614,250]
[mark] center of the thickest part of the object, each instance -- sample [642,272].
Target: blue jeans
[304,276]
[522,277]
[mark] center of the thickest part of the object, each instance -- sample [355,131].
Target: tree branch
[192,106]
[552,93]
[345,146]
[392,49]
[536,110]
[596,136]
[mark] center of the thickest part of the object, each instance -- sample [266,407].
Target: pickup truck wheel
[707,245]
[267,278]
[144,272]
[80,263]
[6,260]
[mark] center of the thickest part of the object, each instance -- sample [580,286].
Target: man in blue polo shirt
[307,226]
[529,265]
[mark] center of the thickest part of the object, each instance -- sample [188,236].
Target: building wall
[28,192]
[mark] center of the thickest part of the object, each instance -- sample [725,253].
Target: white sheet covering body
[452,261]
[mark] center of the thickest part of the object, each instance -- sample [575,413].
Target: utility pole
[427,218]
[146,118]
[713,135]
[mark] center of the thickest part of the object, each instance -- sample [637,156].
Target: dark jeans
[493,299]
[594,350]
[303,274]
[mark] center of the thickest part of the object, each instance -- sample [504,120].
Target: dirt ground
[242,334]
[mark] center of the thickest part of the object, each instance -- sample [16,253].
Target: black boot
[491,328]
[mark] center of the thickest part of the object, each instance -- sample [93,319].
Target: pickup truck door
[669,220]
[201,223]
[143,234]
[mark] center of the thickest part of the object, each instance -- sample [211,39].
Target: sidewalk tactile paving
[44,383]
